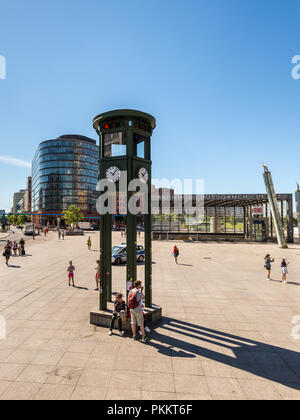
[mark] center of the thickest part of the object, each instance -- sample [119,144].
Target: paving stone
[21,391]
[259,390]
[227,387]
[3,386]
[54,392]
[88,394]
[10,371]
[95,378]
[21,357]
[34,374]
[158,396]
[153,364]
[123,394]
[47,358]
[154,381]
[187,384]
[74,359]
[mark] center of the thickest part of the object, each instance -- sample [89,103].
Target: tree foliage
[22,219]
[73,215]
[11,219]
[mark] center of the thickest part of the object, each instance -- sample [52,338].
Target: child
[119,309]
[284,270]
[97,275]
[70,271]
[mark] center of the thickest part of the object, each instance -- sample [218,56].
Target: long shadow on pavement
[263,360]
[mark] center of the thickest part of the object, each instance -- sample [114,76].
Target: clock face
[113,174]
[143,175]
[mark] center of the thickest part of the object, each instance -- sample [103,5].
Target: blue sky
[216,74]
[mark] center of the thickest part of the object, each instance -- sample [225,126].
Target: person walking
[284,264]
[118,313]
[59,233]
[97,275]
[268,267]
[63,233]
[15,247]
[89,243]
[135,297]
[7,252]
[176,254]
[71,270]
[22,246]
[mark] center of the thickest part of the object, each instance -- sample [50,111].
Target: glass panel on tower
[114,144]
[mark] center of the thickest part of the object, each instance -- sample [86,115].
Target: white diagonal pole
[274,207]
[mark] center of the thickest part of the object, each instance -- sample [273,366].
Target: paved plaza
[226,331]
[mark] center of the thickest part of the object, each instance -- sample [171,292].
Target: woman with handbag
[7,252]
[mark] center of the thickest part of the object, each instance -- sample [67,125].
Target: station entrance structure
[226,217]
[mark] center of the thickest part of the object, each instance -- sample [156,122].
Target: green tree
[11,219]
[22,219]
[73,215]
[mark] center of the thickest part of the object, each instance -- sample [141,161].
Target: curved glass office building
[65,172]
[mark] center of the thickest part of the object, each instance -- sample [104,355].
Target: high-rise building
[18,196]
[27,197]
[65,172]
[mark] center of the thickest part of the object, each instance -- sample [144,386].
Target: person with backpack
[176,254]
[118,313]
[268,267]
[135,298]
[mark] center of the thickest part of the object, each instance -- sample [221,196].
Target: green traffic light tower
[125,147]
